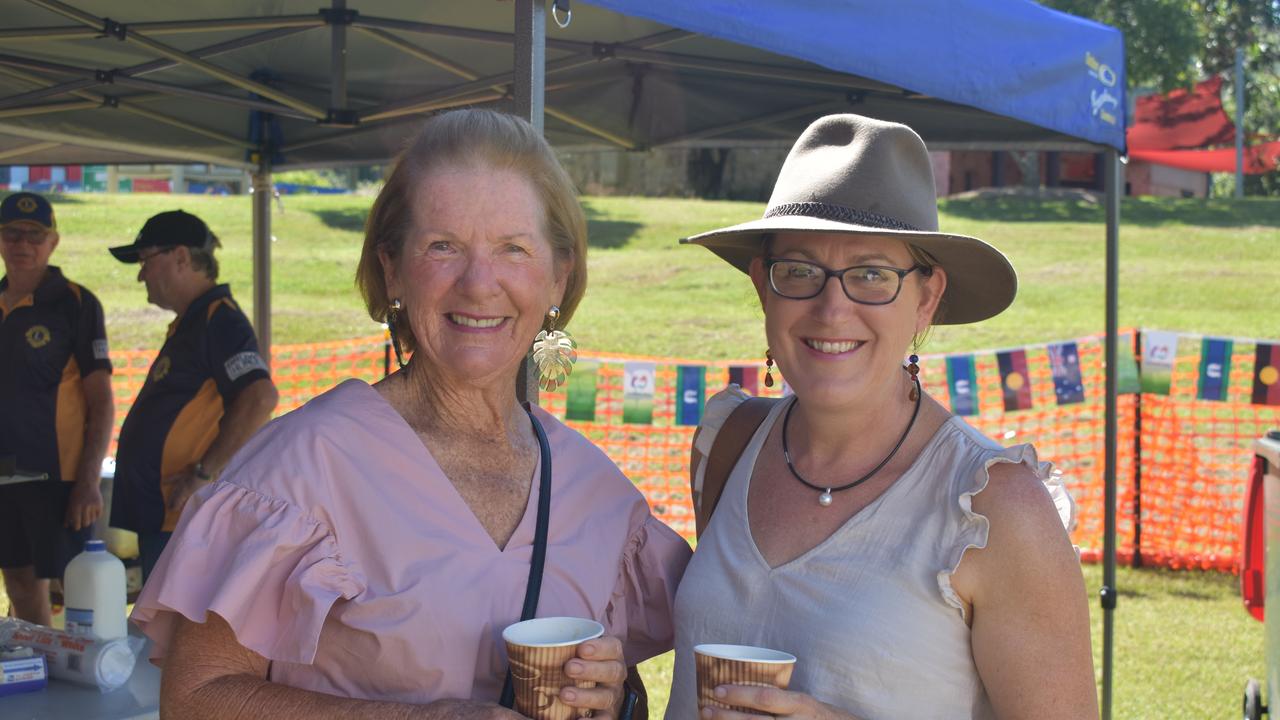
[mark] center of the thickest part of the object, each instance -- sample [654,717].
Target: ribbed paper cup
[739,665]
[538,650]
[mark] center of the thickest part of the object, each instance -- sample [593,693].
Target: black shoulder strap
[732,439]
[534,587]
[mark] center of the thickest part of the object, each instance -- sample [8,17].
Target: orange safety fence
[1182,463]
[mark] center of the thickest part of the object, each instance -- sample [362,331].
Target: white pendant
[825,498]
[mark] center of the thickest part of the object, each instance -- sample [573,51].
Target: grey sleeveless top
[869,612]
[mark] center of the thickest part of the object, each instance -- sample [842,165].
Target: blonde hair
[475,138]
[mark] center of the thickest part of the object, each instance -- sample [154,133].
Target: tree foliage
[1174,43]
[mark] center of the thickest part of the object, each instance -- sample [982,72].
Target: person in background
[913,566]
[207,392]
[56,408]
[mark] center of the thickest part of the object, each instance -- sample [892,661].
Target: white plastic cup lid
[552,631]
[745,652]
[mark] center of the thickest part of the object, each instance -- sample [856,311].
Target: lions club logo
[160,369]
[38,336]
[27,205]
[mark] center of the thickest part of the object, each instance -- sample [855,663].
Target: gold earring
[768,368]
[554,352]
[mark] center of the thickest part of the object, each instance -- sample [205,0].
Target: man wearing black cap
[207,392]
[56,409]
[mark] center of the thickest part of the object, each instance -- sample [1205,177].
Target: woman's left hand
[599,660]
[770,702]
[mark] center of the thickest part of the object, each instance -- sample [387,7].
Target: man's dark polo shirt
[211,354]
[49,341]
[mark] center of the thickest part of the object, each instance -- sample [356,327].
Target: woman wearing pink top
[360,557]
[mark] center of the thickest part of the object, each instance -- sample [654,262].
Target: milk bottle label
[79,622]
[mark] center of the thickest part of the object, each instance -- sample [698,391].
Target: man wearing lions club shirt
[207,392]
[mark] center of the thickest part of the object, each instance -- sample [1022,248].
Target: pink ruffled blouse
[336,547]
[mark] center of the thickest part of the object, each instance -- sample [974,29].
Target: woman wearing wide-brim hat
[913,566]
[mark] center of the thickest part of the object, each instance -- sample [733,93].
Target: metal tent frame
[132,97]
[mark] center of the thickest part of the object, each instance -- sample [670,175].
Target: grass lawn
[1184,645]
[1190,265]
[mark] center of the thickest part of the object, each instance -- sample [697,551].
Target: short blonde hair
[475,138]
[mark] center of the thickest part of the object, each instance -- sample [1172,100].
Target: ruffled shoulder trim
[975,527]
[642,606]
[268,568]
[718,409]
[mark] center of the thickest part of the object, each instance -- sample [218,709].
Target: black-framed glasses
[142,259]
[864,284]
[32,235]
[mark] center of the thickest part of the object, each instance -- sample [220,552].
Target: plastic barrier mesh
[1194,454]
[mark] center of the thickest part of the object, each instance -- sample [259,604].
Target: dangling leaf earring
[393,317]
[554,352]
[768,368]
[914,371]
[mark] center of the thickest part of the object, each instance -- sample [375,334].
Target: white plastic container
[94,587]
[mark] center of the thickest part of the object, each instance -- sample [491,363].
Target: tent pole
[262,196]
[1114,180]
[185,58]
[142,149]
[248,103]
[530,87]
[29,110]
[75,32]
[338,59]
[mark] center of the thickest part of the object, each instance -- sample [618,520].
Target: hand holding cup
[740,665]
[556,664]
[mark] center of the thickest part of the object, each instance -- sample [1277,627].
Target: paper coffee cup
[537,650]
[739,665]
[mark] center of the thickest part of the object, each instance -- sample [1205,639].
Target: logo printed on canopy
[1103,102]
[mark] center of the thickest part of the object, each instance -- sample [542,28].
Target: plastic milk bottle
[94,585]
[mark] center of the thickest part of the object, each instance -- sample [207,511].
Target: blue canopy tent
[278,84]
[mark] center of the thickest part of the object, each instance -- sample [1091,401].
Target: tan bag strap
[732,439]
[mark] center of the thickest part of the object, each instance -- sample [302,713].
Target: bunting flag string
[1203,402]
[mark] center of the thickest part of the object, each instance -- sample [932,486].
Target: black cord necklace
[824,499]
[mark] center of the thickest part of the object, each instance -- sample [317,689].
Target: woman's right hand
[771,703]
[464,710]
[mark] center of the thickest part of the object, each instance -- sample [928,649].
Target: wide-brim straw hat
[861,176]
